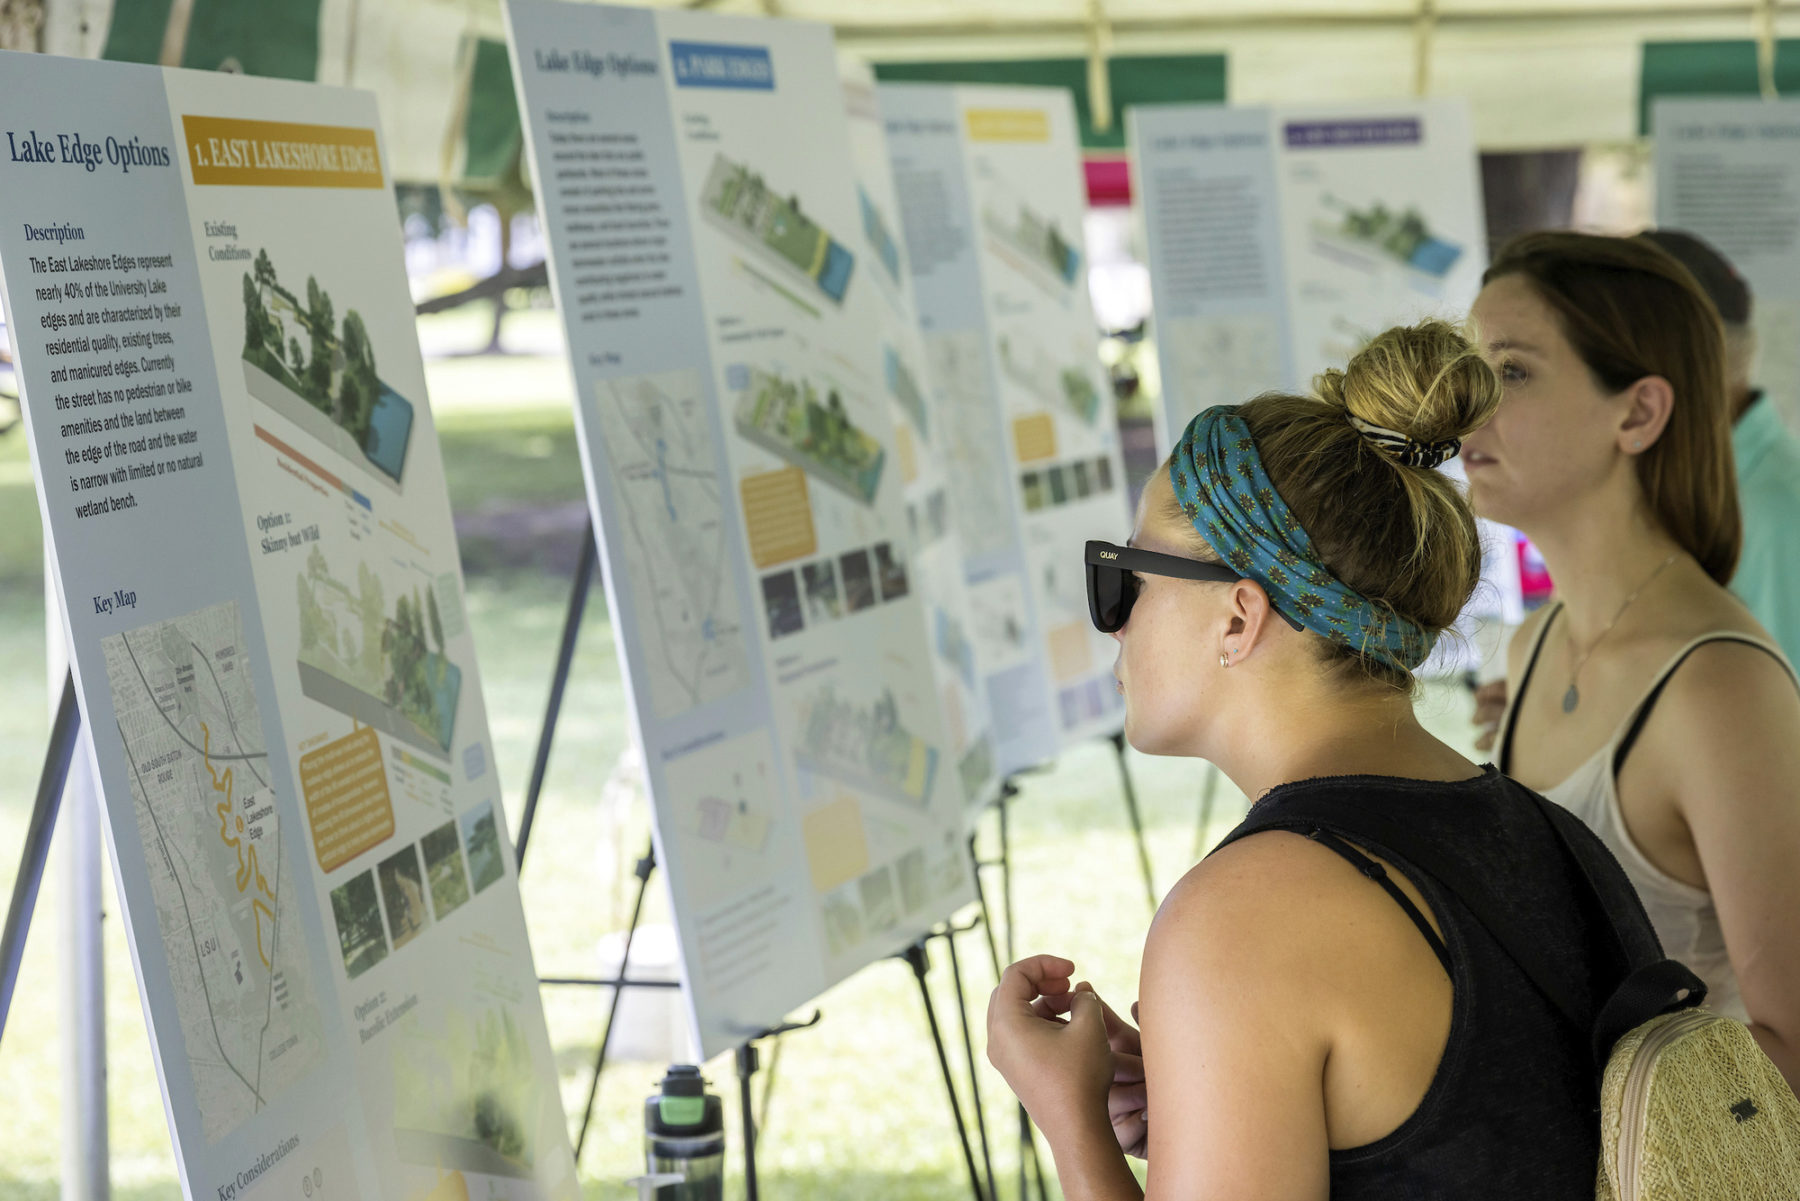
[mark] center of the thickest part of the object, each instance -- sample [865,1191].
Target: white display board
[253,546]
[724,328]
[920,441]
[1728,171]
[1282,238]
[991,192]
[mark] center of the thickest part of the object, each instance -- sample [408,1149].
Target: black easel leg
[962,1009]
[746,1065]
[64,732]
[987,918]
[1208,793]
[645,866]
[916,958]
[1137,821]
[559,679]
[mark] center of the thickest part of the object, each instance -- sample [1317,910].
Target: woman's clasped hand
[1069,1058]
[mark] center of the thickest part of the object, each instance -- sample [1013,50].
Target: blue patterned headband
[1220,484]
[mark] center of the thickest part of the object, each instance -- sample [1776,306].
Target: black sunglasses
[1112,590]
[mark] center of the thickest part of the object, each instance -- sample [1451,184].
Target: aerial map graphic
[735,199]
[327,384]
[665,482]
[789,418]
[197,751]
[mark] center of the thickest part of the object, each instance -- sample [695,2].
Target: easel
[64,733]
[748,1060]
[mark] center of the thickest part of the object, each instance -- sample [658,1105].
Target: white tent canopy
[1538,74]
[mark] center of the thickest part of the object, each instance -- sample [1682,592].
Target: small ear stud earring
[1637,446]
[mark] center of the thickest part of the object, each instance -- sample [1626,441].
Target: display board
[1728,171]
[992,200]
[724,329]
[1281,239]
[252,543]
[917,406]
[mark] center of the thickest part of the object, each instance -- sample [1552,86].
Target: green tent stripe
[492,136]
[1133,79]
[1718,68]
[275,38]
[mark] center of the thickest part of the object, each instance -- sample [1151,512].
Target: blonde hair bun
[1426,381]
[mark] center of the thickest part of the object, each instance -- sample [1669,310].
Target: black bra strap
[1649,702]
[1517,700]
[1378,873]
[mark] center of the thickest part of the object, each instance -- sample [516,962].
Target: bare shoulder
[1276,899]
[1725,692]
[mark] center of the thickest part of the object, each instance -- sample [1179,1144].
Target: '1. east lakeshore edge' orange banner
[236,152]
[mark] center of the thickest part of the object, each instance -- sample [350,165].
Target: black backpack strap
[1378,873]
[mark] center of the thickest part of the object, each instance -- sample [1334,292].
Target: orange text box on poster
[232,151]
[778,516]
[346,789]
[1034,437]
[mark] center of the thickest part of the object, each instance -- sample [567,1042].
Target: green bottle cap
[682,1111]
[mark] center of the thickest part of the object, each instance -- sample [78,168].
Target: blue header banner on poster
[1323,135]
[715,65]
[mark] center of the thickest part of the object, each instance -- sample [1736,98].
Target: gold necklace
[1572,697]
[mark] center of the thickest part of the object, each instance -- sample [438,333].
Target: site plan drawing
[665,479]
[197,748]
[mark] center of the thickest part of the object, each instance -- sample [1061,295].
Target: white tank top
[1683,916]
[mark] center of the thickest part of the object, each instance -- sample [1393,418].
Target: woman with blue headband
[1318,1016]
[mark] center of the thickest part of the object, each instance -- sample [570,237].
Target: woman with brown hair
[1646,700]
[1322,1014]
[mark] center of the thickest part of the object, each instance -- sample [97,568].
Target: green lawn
[858,1110]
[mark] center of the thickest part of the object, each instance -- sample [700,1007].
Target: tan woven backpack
[1691,1108]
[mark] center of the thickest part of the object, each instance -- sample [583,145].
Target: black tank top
[1513,1110]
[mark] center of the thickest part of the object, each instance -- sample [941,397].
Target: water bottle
[684,1132]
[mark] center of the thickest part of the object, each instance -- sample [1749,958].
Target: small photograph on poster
[358,916]
[880,905]
[319,370]
[466,1095]
[403,895]
[483,840]
[822,603]
[890,569]
[859,581]
[781,596]
[787,247]
[444,869]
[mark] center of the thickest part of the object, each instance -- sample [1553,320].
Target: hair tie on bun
[1406,451]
